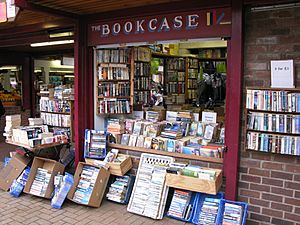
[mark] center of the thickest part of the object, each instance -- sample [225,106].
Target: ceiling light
[61,34]
[49,43]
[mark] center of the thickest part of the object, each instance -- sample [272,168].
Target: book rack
[273,120]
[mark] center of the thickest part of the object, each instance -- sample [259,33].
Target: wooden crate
[120,169]
[195,184]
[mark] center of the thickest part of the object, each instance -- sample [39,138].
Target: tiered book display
[58,115]
[114,81]
[142,76]
[273,120]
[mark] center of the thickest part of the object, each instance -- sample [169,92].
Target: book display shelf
[115,68]
[142,76]
[273,120]
[58,114]
[192,72]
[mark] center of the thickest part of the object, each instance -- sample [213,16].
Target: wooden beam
[157,9]
[233,101]
[24,4]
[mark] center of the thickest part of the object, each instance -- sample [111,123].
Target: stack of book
[40,183]
[233,214]
[12,121]
[86,184]
[209,211]
[181,205]
[118,189]
[95,144]
[172,131]
[59,120]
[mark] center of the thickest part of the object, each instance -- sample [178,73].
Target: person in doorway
[2,109]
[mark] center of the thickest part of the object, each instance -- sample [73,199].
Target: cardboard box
[99,188]
[13,170]
[52,166]
[195,184]
[117,169]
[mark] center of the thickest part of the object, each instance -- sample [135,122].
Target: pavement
[28,209]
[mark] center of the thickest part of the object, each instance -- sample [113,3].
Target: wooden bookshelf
[172,154]
[272,120]
[125,69]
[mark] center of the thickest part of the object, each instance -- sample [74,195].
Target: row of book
[279,101]
[142,97]
[113,72]
[192,84]
[56,119]
[114,106]
[273,143]
[186,145]
[192,94]
[193,74]
[142,83]
[193,63]
[114,89]
[86,184]
[175,76]
[173,129]
[54,105]
[40,183]
[141,69]
[142,54]
[113,55]
[274,122]
[176,64]
[118,189]
[176,87]
[181,205]
[175,99]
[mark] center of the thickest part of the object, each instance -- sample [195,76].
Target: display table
[36,151]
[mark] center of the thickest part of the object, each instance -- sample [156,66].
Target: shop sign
[187,25]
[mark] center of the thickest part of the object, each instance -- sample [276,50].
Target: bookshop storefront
[152,67]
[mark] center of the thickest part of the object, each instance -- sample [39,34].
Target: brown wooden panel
[95,6]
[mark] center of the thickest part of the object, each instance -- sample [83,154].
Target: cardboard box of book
[13,170]
[119,167]
[209,181]
[40,181]
[89,185]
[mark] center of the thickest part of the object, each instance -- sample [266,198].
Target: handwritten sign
[282,74]
[209,117]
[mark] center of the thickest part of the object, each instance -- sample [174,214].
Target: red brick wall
[270,183]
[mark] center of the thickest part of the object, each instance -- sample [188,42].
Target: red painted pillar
[83,84]
[233,101]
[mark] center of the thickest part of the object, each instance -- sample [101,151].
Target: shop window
[11,85]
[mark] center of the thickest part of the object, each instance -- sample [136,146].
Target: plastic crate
[199,203]
[128,192]
[87,144]
[193,202]
[221,211]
